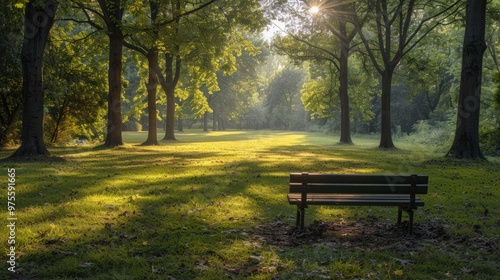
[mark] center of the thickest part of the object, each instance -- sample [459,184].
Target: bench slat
[395,179]
[357,188]
[361,200]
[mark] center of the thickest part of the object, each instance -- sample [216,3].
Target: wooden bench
[357,190]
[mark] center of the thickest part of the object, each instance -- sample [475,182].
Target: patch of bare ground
[371,236]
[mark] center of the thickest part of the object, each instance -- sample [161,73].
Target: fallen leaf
[399,272]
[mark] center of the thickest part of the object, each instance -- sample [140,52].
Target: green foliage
[283,99]
[436,132]
[132,126]
[490,140]
[75,85]
[10,73]
[496,95]
[238,88]
[318,96]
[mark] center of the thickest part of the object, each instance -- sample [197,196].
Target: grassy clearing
[185,210]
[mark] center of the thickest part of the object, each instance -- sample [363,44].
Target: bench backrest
[358,184]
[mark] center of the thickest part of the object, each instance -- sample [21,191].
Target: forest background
[261,65]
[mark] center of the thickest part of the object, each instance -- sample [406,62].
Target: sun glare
[314,10]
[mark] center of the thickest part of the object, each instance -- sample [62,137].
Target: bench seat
[354,200]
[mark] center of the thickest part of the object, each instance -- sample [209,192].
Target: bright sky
[275,27]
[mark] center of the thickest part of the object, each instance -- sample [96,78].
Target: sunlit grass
[181,209]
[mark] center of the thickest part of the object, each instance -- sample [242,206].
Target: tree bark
[345,122]
[114,127]
[205,122]
[38,21]
[152,87]
[171,81]
[386,133]
[113,13]
[466,142]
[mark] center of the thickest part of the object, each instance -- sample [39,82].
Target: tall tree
[341,13]
[149,49]
[107,16]
[38,20]
[398,26]
[328,38]
[466,141]
[112,14]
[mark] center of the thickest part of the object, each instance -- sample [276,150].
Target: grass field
[195,209]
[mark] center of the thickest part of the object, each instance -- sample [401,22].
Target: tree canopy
[386,67]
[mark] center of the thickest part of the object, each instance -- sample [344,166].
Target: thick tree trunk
[152,87]
[385,133]
[38,21]
[466,142]
[113,13]
[114,127]
[345,123]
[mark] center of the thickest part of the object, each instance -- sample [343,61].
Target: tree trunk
[385,133]
[38,21]
[170,92]
[345,123]
[179,124]
[214,121]
[466,142]
[205,122]
[152,87]
[114,127]
[113,13]
[60,118]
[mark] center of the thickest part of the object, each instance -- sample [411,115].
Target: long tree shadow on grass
[203,215]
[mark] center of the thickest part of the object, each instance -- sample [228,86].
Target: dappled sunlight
[194,206]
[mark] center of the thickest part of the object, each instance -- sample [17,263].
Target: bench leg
[300,217]
[297,222]
[410,217]
[410,226]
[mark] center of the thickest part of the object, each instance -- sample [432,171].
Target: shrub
[132,126]
[432,133]
[490,140]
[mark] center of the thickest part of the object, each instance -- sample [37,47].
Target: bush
[490,140]
[132,126]
[432,133]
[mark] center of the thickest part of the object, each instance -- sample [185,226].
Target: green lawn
[189,210]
